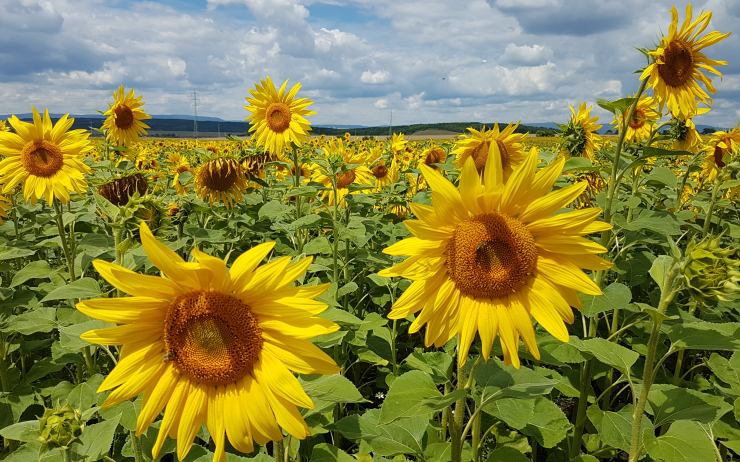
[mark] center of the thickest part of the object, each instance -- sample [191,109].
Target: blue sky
[424,60]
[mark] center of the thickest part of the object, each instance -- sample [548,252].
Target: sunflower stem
[682,352]
[712,203]
[66,455]
[298,199]
[279,451]
[648,374]
[458,418]
[4,382]
[64,238]
[394,358]
[136,446]
[679,192]
[14,208]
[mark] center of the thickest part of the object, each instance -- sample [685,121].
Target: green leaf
[404,436]
[324,452]
[85,395]
[507,454]
[332,389]
[660,270]
[727,370]
[701,335]
[38,269]
[273,211]
[685,441]
[548,424]
[26,431]
[616,296]
[407,395]
[440,402]
[69,336]
[617,106]
[614,428]
[669,403]
[435,363]
[96,439]
[15,252]
[662,175]
[81,288]
[500,381]
[31,322]
[607,352]
[515,412]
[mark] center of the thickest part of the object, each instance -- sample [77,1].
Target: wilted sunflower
[355,172]
[221,179]
[45,157]
[488,255]
[277,117]
[477,145]
[642,121]
[579,134]
[432,156]
[119,191]
[124,117]
[211,345]
[679,64]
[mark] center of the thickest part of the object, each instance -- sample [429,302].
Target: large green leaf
[548,425]
[403,436]
[81,288]
[614,428]
[499,381]
[38,269]
[616,296]
[669,403]
[515,412]
[324,452]
[701,335]
[96,439]
[607,352]
[685,441]
[407,397]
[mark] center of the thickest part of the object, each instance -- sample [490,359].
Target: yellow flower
[642,122]
[579,134]
[46,158]
[277,117]
[180,165]
[722,146]
[433,155]
[221,179]
[489,255]
[477,146]
[678,64]
[398,143]
[384,175]
[684,134]
[211,345]
[354,173]
[4,126]
[5,206]
[123,122]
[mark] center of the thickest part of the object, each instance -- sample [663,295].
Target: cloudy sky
[424,60]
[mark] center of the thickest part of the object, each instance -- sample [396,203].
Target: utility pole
[195,114]
[390,125]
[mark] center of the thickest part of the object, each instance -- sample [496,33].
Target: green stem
[456,425]
[712,203]
[65,243]
[475,433]
[298,198]
[66,455]
[4,382]
[679,192]
[136,446]
[635,185]
[394,358]
[666,295]
[445,417]
[278,450]
[682,353]
[14,208]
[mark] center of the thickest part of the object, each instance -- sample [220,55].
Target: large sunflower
[679,64]
[211,345]
[488,255]
[477,145]
[579,134]
[642,122]
[277,117]
[124,117]
[47,158]
[221,179]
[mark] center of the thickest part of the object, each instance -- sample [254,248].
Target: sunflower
[488,255]
[642,122]
[353,172]
[119,191]
[45,157]
[4,126]
[398,143]
[579,134]
[180,165]
[477,144]
[433,155]
[212,345]
[278,118]
[123,123]
[385,175]
[678,64]
[221,179]
[721,148]
[684,135]
[5,206]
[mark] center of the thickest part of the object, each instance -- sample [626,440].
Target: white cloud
[381,103]
[526,54]
[375,78]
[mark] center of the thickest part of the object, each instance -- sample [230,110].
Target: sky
[359,60]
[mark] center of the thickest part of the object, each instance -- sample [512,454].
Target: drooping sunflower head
[254,166]
[478,144]
[433,155]
[684,135]
[46,158]
[579,137]
[492,253]
[712,271]
[721,149]
[221,179]
[207,344]
[385,175]
[123,123]
[679,63]
[642,121]
[277,117]
[348,168]
[119,190]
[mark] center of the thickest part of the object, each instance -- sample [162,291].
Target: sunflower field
[281,296]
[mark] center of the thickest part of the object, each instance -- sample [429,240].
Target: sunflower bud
[60,427]
[712,272]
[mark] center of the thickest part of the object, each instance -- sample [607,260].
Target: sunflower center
[42,158]
[491,256]
[124,117]
[219,175]
[719,154]
[435,156]
[678,66]
[120,190]
[638,119]
[379,172]
[213,338]
[278,117]
[480,156]
[345,179]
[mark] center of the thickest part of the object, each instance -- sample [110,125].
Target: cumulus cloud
[526,54]
[374,78]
